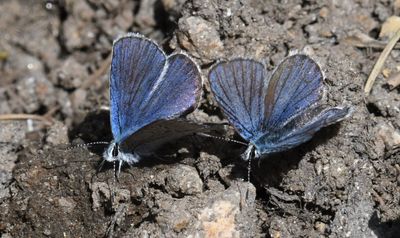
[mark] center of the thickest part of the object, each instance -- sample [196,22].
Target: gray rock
[227,213]
[8,157]
[208,165]
[183,180]
[200,38]
[70,74]
[13,131]
[66,203]
[352,218]
[78,34]
[57,134]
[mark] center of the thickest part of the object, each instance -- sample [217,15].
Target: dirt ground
[54,63]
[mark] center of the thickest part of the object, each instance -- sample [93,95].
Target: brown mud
[54,62]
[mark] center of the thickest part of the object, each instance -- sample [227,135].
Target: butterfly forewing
[294,86]
[239,88]
[146,86]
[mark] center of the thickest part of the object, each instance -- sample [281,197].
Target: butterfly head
[251,153]
[114,153]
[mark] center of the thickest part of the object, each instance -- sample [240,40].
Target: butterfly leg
[119,167]
[248,155]
[101,166]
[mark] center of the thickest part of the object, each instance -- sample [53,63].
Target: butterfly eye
[115,150]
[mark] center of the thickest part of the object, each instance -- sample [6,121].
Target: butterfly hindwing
[239,88]
[300,129]
[146,86]
[146,140]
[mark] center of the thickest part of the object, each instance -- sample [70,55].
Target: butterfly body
[114,153]
[273,111]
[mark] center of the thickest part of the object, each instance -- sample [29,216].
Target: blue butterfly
[149,91]
[273,111]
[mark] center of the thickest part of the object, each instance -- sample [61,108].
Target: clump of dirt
[54,61]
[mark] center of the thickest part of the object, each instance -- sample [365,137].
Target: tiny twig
[50,113]
[361,40]
[43,119]
[378,198]
[381,60]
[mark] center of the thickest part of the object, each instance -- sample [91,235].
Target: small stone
[145,16]
[8,157]
[324,12]
[320,227]
[125,19]
[57,134]
[396,6]
[67,204]
[47,232]
[200,38]
[13,131]
[219,219]
[386,72]
[169,4]
[80,9]
[110,5]
[390,27]
[222,213]
[183,180]
[78,34]
[100,194]
[33,87]
[78,97]
[208,165]
[174,8]
[389,135]
[71,74]
[318,167]
[121,196]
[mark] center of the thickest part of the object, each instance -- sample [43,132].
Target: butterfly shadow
[389,228]
[96,127]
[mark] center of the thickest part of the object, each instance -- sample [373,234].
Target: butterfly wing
[146,140]
[295,85]
[239,88]
[300,129]
[146,86]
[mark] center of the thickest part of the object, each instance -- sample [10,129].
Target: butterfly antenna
[222,138]
[87,145]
